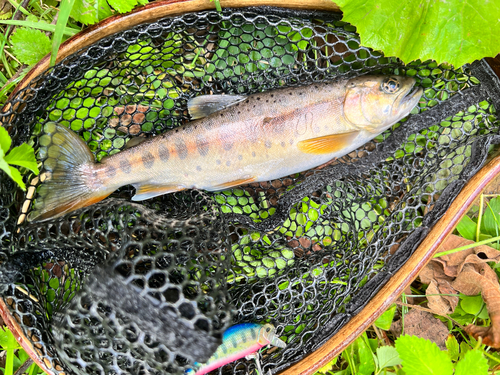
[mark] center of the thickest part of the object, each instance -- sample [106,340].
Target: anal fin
[327,144]
[147,191]
[230,184]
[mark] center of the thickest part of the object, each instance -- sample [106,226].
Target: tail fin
[70,184]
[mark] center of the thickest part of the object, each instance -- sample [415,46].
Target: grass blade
[38,25]
[64,11]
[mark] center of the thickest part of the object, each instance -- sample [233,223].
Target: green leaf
[24,156]
[491,218]
[422,357]
[453,348]
[16,176]
[467,228]
[85,11]
[387,356]
[29,45]
[384,321]
[366,362]
[5,140]
[123,6]
[7,339]
[446,31]
[471,304]
[473,363]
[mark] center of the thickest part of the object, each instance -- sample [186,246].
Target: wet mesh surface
[305,252]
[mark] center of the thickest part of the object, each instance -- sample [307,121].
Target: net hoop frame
[393,288]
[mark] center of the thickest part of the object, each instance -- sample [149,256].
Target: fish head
[267,336]
[374,103]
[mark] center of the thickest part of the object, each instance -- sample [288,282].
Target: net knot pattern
[305,252]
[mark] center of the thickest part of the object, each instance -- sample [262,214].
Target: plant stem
[466,247]
[24,367]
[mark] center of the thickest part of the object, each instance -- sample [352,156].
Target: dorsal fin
[204,105]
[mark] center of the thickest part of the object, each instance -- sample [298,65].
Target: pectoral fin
[327,144]
[147,191]
[230,184]
[204,105]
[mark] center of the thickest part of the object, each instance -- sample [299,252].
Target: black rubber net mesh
[305,252]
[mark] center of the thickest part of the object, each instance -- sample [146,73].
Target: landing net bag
[305,252]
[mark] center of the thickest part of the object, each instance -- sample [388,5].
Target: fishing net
[305,252]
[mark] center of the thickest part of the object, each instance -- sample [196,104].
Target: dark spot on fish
[267,101]
[290,93]
[237,104]
[163,152]
[240,157]
[316,129]
[258,98]
[268,144]
[254,105]
[239,112]
[111,171]
[148,159]
[216,355]
[253,153]
[198,168]
[189,129]
[223,348]
[246,101]
[221,115]
[125,166]
[282,144]
[202,145]
[253,333]
[228,163]
[235,344]
[218,162]
[177,130]
[316,86]
[243,338]
[196,126]
[227,146]
[182,149]
[272,95]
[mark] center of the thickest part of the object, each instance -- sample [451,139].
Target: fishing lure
[241,340]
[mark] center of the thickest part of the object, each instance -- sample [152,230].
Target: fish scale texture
[305,252]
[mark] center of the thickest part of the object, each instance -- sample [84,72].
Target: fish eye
[268,329]
[390,85]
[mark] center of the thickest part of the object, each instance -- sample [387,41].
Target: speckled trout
[232,140]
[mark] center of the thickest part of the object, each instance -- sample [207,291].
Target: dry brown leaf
[466,272]
[422,324]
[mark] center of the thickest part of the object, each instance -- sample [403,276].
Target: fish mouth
[412,96]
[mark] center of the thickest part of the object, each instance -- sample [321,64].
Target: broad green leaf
[467,228]
[450,31]
[85,11]
[103,9]
[490,223]
[464,349]
[473,363]
[384,321]
[453,348]
[387,356]
[29,45]
[366,362]
[65,8]
[471,304]
[24,156]
[16,176]
[7,339]
[124,6]
[422,357]
[5,140]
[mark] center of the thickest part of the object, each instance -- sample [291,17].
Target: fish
[240,341]
[232,140]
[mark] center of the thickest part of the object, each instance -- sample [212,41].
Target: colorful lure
[240,341]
